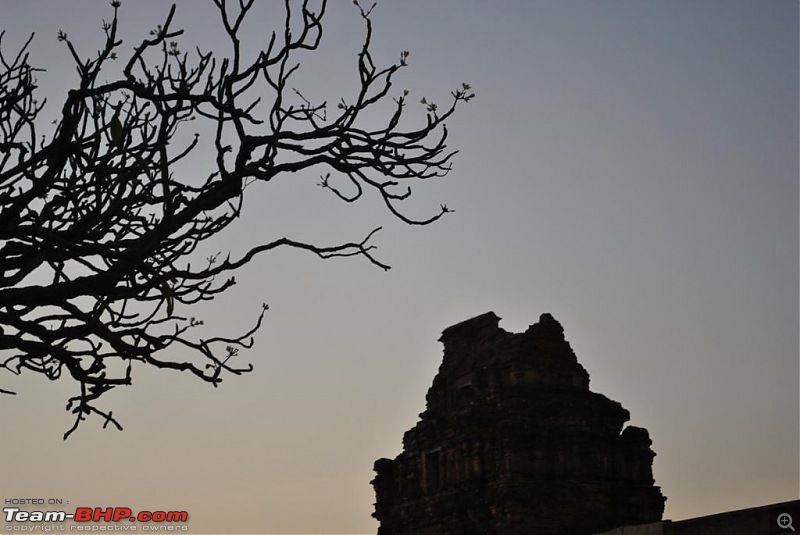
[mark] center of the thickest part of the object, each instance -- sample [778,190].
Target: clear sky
[630,167]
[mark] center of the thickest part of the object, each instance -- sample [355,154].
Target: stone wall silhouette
[513,442]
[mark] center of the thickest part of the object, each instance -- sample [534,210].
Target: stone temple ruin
[513,442]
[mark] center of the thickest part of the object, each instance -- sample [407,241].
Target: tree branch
[98,231]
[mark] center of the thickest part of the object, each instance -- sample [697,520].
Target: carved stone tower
[513,442]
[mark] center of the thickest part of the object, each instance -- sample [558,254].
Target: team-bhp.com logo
[96,514]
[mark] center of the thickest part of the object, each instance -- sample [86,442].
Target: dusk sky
[630,167]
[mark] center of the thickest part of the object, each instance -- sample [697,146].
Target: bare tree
[97,228]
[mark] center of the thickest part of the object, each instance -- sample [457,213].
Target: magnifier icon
[785,521]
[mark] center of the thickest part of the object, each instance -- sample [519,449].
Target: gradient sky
[630,167]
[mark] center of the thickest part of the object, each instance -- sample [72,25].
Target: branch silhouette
[97,227]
